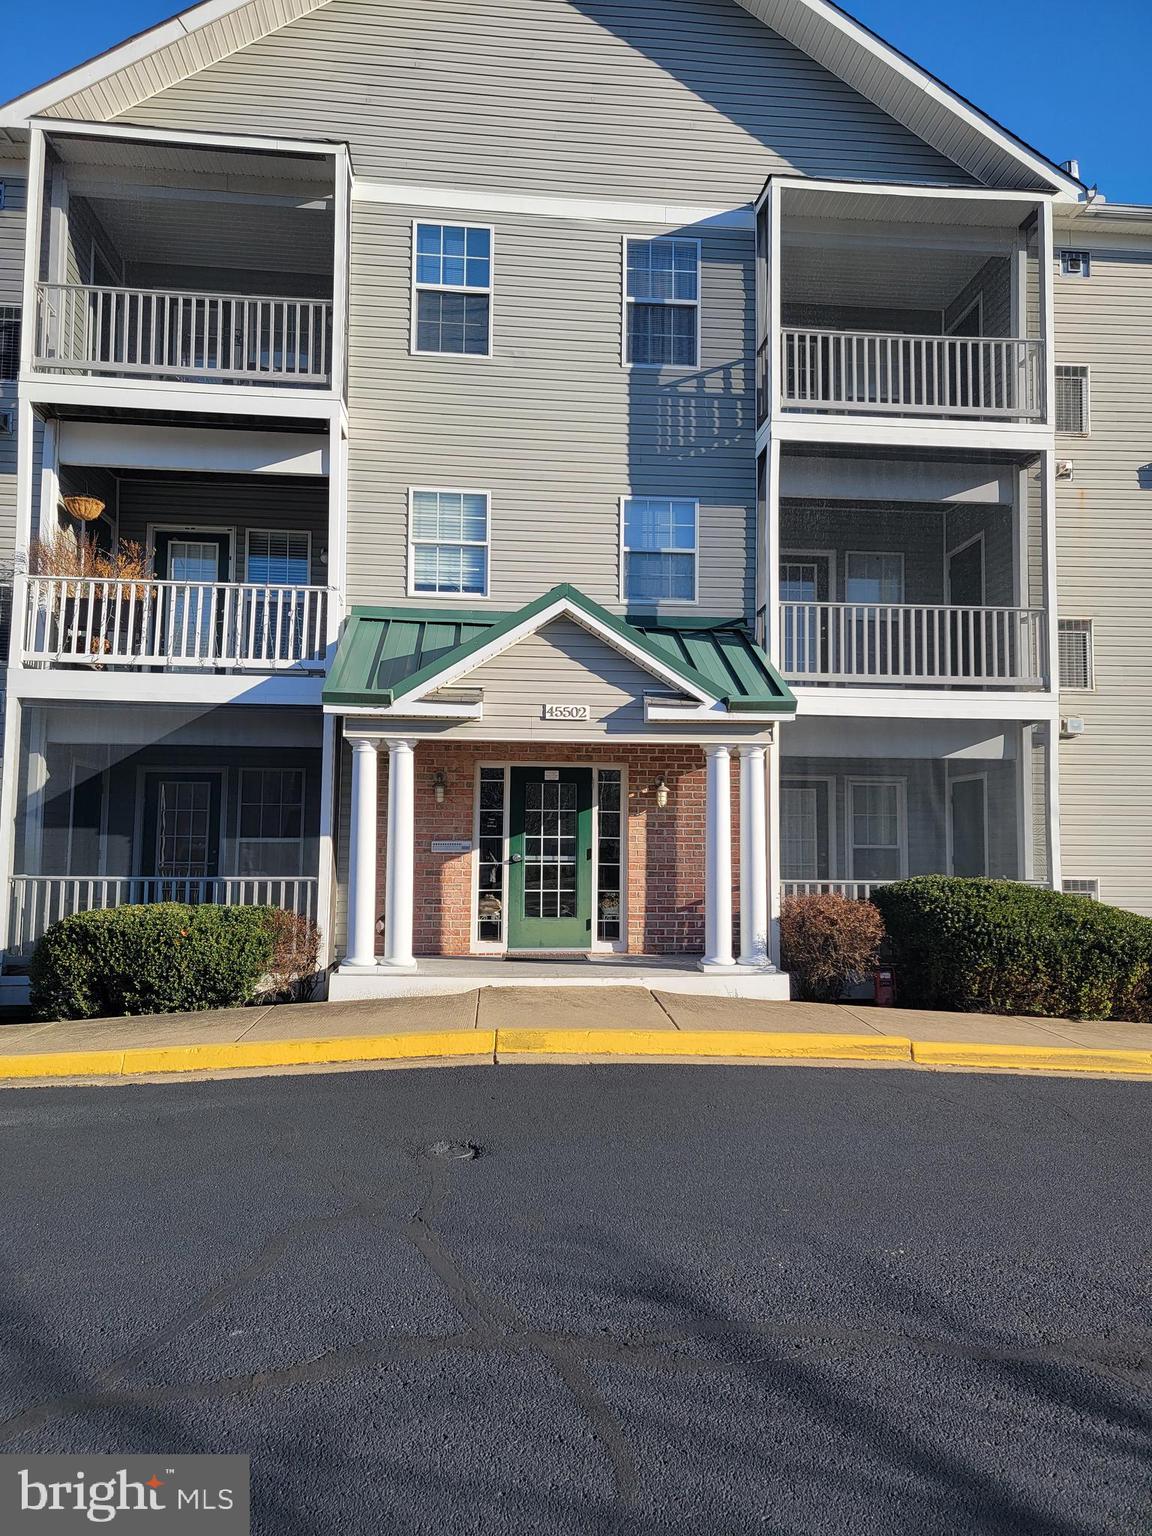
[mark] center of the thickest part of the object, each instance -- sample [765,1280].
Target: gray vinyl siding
[926,802]
[993,284]
[552,425]
[121,848]
[686,99]
[561,664]
[221,501]
[994,525]
[12,237]
[1104,567]
[922,534]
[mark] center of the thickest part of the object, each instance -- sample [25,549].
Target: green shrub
[166,958]
[999,946]
[827,943]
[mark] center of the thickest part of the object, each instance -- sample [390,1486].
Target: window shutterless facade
[877,835]
[448,542]
[659,549]
[452,289]
[662,303]
[270,838]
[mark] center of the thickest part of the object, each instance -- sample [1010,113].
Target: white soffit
[936,114]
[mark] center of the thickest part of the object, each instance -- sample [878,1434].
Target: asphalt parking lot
[657,1298]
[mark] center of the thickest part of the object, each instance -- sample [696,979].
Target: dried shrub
[828,943]
[78,555]
[295,961]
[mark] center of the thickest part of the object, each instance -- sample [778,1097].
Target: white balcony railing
[854,890]
[87,621]
[167,333]
[907,643]
[986,376]
[38,901]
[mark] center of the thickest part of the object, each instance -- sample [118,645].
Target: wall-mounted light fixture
[439,785]
[661,792]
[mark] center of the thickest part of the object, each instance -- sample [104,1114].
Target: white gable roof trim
[151,61]
[119,80]
[912,95]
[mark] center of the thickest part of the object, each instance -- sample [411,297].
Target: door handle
[516,858]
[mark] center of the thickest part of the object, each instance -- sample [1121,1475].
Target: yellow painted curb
[64,1064]
[1044,1058]
[699,1042]
[230,1055]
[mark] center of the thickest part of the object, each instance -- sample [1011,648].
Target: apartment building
[559,476]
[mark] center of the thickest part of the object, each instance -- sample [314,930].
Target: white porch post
[718,859]
[362,856]
[753,856]
[401,855]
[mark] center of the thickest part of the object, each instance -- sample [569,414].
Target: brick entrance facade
[665,848]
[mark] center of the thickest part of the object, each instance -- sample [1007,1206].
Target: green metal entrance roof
[389,654]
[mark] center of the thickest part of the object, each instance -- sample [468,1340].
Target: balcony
[38,901]
[910,375]
[175,334]
[163,625]
[932,645]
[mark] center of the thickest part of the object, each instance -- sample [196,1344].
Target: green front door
[550,853]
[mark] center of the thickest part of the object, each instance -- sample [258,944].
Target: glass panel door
[192,612]
[550,852]
[182,834]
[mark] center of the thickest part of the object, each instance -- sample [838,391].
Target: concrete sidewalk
[498,1025]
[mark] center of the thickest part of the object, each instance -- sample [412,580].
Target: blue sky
[1069,77]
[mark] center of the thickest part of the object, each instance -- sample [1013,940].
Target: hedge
[999,946]
[168,958]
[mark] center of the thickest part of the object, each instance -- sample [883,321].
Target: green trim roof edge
[341,687]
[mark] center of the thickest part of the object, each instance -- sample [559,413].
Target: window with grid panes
[449,539]
[490,857]
[452,266]
[662,300]
[270,835]
[609,854]
[660,549]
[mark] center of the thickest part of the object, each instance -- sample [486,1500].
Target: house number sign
[566,711]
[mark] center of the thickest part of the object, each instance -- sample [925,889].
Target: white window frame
[818,782]
[788,556]
[597,945]
[490,292]
[625,301]
[888,554]
[969,778]
[901,786]
[1090,661]
[293,533]
[1086,430]
[279,842]
[680,602]
[486,545]
[1086,260]
[192,529]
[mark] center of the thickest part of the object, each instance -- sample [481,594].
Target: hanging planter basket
[86,509]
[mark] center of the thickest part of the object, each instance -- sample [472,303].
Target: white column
[775,867]
[753,857]
[718,859]
[362,856]
[401,855]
